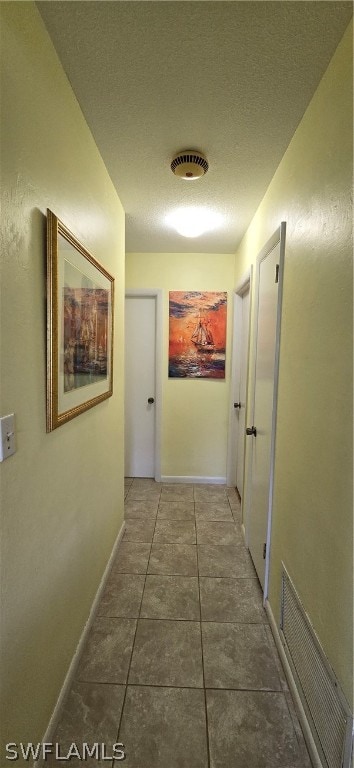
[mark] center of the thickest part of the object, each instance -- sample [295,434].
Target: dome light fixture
[193,221]
[190,164]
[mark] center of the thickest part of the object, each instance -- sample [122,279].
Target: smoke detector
[189,165]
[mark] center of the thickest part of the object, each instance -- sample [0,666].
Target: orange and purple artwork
[197,337]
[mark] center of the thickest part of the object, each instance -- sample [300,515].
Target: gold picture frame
[80,300]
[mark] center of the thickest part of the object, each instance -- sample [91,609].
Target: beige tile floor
[180,664]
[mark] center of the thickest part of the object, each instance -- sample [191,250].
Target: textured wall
[194,412]
[313,511]
[62,493]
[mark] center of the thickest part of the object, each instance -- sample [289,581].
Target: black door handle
[237,405]
[151,400]
[251,431]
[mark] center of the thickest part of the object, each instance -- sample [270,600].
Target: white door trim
[278,237]
[244,284]
[158,295]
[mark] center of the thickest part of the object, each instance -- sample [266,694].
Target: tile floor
[180,664]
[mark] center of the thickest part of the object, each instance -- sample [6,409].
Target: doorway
[262,428]
[239,378]
[143,328]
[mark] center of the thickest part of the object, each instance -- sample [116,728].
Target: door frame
[277,238]
[155,293]
[238,293]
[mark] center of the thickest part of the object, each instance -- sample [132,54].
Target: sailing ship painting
[202,336]
[197,334]
[85,320]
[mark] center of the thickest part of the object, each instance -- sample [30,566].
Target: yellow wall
[61,493]
[313,511]
[194,412]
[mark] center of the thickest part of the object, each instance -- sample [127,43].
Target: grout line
[233,578]
[299,734]
[133,644]
[259,623]
[148,563]
[189,688]
[202,649]
[276,658]
[163,573]
[99,682]
[183,543]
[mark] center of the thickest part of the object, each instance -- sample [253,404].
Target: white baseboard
[53,722]
[193,479]
[310,743]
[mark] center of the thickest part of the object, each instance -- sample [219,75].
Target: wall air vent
[189,165]
[326,708]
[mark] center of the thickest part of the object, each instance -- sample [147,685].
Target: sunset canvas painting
[197,334]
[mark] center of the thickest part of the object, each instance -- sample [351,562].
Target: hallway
[180,664]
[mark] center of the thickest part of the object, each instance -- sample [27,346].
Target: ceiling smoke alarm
[189,164]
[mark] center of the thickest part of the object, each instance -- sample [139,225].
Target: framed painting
[79,327]
[197,334]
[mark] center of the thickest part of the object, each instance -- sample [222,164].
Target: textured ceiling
[231,79]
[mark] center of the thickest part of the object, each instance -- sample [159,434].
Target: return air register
[326,708]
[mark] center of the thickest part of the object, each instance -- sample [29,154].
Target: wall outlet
[7,436]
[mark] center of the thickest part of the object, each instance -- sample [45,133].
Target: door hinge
[264,550]
[277,273]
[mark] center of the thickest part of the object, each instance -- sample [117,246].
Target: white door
[140,367]
[240,404]
[262,431]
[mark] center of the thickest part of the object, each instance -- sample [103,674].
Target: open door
[240,404]
[239,381]
[261,431]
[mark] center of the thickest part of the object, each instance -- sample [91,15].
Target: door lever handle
[237,405]
[151,400]
[251,431]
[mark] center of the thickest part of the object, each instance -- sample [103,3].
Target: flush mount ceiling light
[193,221]
[189,165]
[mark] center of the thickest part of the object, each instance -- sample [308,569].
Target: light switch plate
[7,436]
